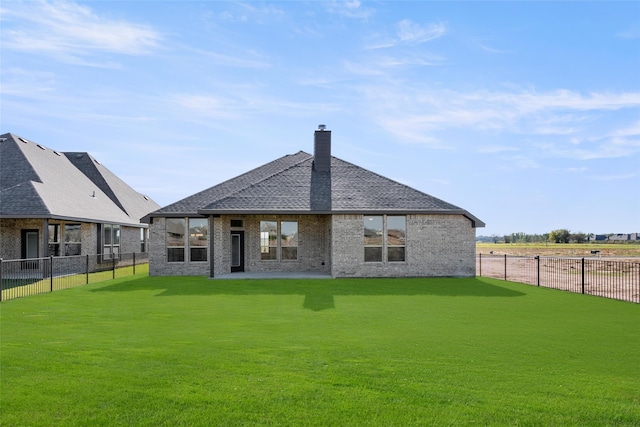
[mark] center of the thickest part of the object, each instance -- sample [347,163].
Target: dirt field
[615,276]
[626,251]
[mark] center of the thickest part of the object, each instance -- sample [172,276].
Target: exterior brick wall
[312,253]
[158,265]
[11,237]
[436,246]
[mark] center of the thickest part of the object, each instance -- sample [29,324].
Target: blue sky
[527,114]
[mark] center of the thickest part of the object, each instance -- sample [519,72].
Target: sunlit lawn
[191,351]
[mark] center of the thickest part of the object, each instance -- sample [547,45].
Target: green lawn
[160,351]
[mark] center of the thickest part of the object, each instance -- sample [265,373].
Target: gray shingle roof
[37,182]
[290,185]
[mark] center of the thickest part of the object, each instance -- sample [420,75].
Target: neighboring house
[312,213]
[621,237]
[57,204]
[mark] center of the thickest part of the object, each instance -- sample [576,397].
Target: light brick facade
[11,237]
[436,246]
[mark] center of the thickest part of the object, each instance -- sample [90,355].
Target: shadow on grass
[319,293]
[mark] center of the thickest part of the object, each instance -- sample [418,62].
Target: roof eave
[74,219]
[475,222]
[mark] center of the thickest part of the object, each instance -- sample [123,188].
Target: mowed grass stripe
[192,351]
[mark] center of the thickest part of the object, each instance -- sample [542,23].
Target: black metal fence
[607,278]
[24,277]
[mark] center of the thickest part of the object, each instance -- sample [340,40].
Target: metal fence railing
[24,277]
[602,277]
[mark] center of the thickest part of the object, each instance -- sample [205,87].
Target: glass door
[237,251]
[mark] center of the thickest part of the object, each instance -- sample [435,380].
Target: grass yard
[162,351]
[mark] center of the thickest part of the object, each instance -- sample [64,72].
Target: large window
[279,240]
[179,243]
[72,239]
[110,241]
[198,239]
[385,238]
[176,231]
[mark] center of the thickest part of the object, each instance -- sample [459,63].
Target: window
[284,247]
[268,240]
[198,239]
[289,240]
[196,243]
[110,241]
[54,239]
[373,238]
[144,233]
[396,238]
[385,235]
[72,239]
[175,230]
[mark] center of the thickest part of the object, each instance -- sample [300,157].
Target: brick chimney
[322,149]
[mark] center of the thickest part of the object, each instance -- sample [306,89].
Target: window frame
[72,243]
[109,247]
[272,248]
[373,248]
[54,239]
[383,247]
[389,237]
[185,252]
[175,252]
[202,248]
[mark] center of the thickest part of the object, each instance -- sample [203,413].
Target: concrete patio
[273,275]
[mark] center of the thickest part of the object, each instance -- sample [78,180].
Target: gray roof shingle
[290,185]
[37,182]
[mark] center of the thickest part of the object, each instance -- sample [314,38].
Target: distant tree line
[556,236]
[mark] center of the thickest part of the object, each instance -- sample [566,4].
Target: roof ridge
[99,179]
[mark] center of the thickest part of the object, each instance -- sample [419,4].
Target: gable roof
[291,185]
[37,182]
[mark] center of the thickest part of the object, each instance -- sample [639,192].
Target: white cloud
[350,9]
[560,123]
[407,33]
[70,31]
[412,33]
[496,149]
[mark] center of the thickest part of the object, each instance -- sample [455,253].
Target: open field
[190,351]
[561,249]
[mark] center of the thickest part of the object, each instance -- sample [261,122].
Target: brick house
[312,213]
[63,204]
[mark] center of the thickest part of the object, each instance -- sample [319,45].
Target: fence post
[583,275]
[113,266]
[86,270]
[480,264]
[505,267]
[0,279]
[51,272]
[134,263]
[538,272]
